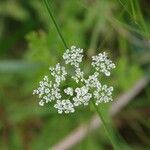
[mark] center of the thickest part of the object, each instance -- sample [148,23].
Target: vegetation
[29,44]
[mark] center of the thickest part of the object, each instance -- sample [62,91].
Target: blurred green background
[29,44]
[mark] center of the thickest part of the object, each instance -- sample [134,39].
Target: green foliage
[39,50]
[14,10]
[126,77]
[29,44]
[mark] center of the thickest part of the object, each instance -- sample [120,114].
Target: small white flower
[59,73]
[73,56]
[78,75]
[82,96]
[102,63]
[41,103]
[69,91]
[64,106]
[47,91]
[103,95]
[93,82]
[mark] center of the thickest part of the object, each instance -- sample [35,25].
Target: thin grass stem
[47,4]
[62,38]
[133,11]
[107,130]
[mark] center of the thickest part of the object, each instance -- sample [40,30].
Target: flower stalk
[106,128]
[79,74]
[47,4]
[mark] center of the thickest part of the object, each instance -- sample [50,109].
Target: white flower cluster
[82,96]
[103,94]
[73,56]
[59,73]
[47,91]
[68,98]
[79,75]
[93,81]
[69,91]
[64,106]
[102,63]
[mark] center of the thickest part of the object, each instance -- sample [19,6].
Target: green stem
[114,144]
[47,3]
[133,11]
[61,36]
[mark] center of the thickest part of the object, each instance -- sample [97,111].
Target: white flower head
[59,72]
[67,99]
[47,91]
[102,64]
[82,96]
[64,106]
[103,95]
[69,91]
[73,56]
[79,75]
[93,82]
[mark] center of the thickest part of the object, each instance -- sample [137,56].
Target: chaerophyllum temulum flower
[66,98]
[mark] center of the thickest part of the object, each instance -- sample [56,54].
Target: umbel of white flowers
[87,88]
